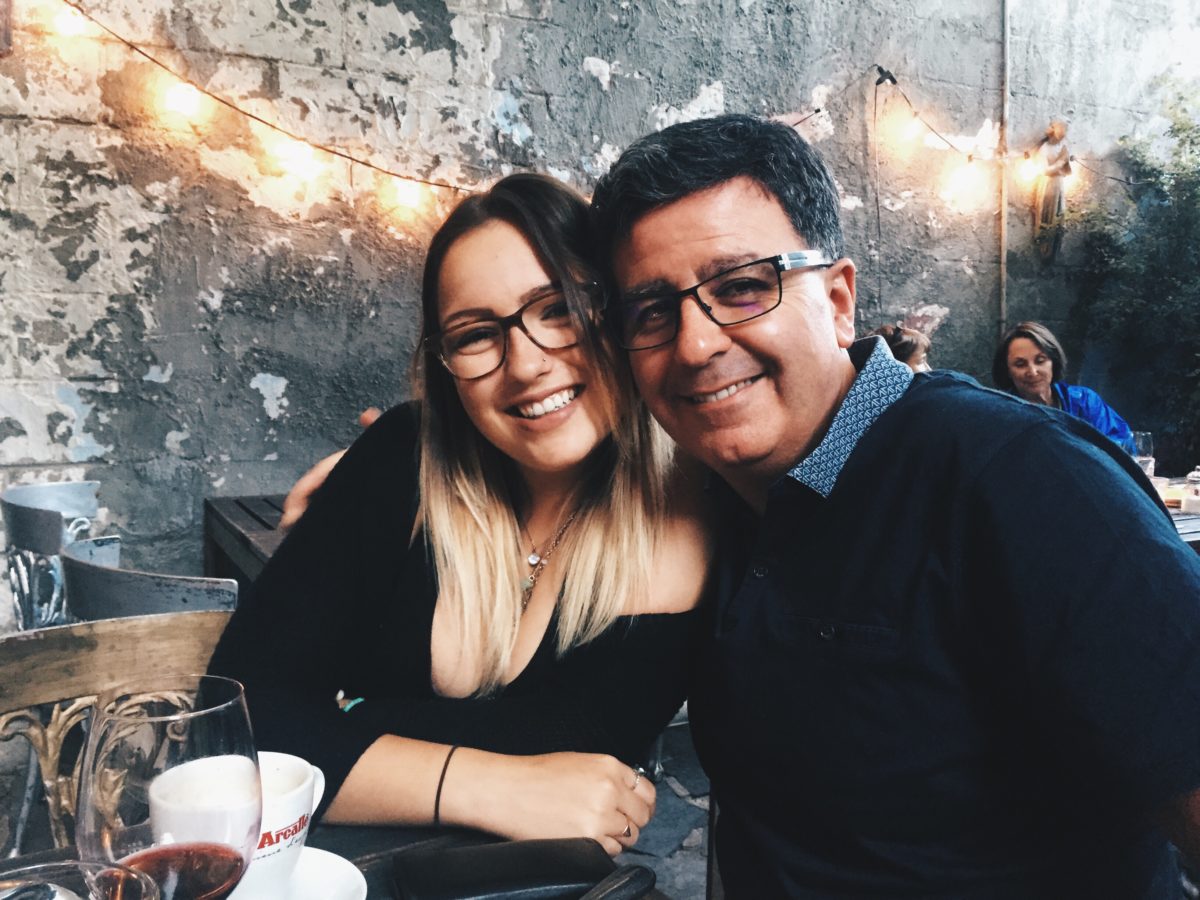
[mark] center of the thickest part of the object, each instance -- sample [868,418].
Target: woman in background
[1030,363]
[484,617]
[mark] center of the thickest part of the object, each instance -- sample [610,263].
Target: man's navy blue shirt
[956,657]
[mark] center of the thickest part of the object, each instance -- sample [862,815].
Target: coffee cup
[213,799]
[291,789]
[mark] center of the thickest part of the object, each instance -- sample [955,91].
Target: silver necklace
[538,561]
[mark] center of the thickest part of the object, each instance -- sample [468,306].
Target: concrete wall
[180,317]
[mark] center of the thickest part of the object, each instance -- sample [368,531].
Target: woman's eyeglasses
[477,348]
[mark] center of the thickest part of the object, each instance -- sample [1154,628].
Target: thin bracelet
[437,798]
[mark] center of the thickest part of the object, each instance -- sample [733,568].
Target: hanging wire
[884,76]
[332,151]
[920,118]
[1125,181]
[820,109]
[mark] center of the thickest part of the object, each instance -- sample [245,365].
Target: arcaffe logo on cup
[291,791]
[271,838]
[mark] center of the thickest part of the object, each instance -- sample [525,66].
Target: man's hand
[301,493]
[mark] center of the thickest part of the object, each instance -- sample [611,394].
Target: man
[955,649]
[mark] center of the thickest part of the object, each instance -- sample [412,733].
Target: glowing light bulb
[298,159]
[183,99]
[1029,170]
[965,188]
[913,129]
[406,193]
[70,23]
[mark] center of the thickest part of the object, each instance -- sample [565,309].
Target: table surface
[371,849]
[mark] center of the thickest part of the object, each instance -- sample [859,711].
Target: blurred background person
[1030,363]
[908,345]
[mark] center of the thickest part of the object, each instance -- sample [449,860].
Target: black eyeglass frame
[782,262]
[432,342]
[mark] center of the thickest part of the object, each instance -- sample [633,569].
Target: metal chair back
[50,677]
[39,519]
[98,588]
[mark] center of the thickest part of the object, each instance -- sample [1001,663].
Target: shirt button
[759,571]
[827,632]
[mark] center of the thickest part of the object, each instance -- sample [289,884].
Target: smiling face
[750,399]
[1030,369]
[545,409]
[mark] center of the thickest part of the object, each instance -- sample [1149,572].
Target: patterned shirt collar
[880,382]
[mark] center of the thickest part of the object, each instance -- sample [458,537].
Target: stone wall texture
[181,316]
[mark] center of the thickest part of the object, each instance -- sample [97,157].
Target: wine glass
[1143,451]
[170,785]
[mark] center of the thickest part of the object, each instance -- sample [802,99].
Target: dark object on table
[518,870]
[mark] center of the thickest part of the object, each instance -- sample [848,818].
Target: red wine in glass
[198,871]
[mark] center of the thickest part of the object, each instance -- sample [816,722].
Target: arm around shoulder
[681,564]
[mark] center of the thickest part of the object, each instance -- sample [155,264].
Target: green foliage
[1140,291]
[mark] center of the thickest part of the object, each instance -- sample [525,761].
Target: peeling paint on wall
[600,70]
[710,101]
[271,387]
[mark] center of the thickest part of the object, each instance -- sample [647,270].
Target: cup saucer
[321,875]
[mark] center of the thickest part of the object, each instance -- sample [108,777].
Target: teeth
[547,405]
[722,393]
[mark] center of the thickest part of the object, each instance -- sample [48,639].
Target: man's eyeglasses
[477,348]
[736,295]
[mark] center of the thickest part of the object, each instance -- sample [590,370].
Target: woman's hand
[554,795]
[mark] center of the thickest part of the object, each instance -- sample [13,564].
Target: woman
[489,581]
[1030,363]
[908,346]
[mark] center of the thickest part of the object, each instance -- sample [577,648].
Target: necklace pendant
[527,585]
[533,559]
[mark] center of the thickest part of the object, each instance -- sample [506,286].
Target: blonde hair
[470,491]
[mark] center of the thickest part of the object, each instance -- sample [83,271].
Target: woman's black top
[346,604]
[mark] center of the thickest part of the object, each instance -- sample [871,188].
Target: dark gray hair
[693,156]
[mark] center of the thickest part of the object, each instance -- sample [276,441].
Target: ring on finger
[637,777]
[628,832]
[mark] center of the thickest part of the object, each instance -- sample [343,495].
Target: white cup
[213,799]
[292,788]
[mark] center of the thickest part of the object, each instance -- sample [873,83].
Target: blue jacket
[1086,404]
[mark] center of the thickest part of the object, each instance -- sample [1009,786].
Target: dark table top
[371,849]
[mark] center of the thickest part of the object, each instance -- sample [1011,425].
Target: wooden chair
[97,588]
[49,679]
[38,520]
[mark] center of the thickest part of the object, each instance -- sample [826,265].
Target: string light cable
[1125,181]
[794,123]
[274,126]
[920,118]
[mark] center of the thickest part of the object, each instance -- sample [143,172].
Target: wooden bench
[240,535]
